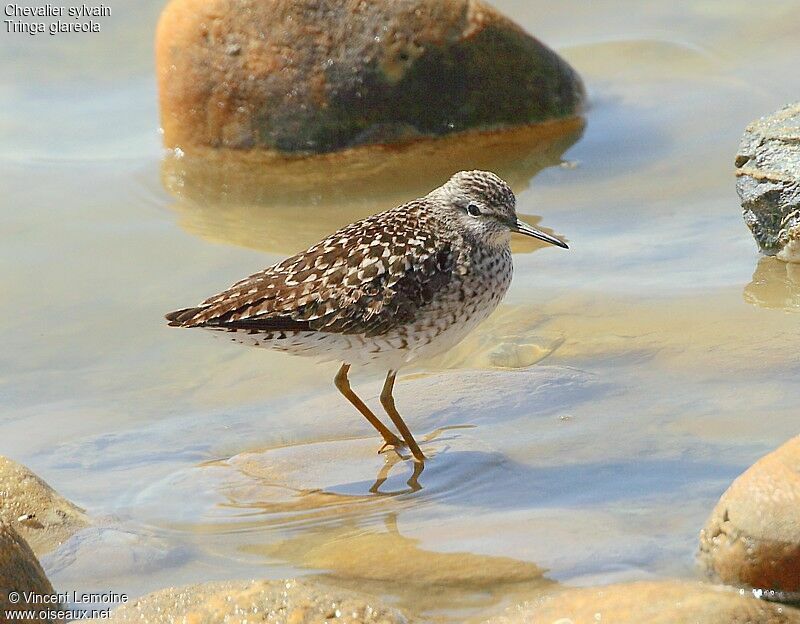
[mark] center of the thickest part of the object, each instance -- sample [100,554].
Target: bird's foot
[393,445]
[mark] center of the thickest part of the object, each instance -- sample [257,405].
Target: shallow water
[581,436]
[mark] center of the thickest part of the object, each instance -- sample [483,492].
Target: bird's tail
[182,318]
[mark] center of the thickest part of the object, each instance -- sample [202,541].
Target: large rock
[768,182]
[277,602]
[665,602]
[20,572]
[753,535]
[40,514]
[317,77]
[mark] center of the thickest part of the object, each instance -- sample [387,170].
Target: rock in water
[753,535]
[768,182]
[663,602]
[40,514]
[322,76]
[20,572]
[280,602]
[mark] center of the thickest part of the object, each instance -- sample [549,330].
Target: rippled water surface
[580,436]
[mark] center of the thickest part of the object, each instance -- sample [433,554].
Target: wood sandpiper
[385,291]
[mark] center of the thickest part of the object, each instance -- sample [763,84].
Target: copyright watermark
[81,605]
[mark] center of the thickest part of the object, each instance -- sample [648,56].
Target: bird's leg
[343,385]
[387,400]
[413,481]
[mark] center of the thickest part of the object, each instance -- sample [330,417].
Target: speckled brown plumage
[364,279]
[407,283]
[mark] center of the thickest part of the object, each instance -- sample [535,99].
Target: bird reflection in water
[418,467]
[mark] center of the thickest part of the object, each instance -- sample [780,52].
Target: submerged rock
[664,602]
[39,514]
[768,182]
[322,76]
[432,581]
[20,572]
[279,602]
[113,551]
[753,535]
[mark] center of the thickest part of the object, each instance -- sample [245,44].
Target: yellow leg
[387,400]
[343,385]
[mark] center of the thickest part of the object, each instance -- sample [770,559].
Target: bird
[383,292]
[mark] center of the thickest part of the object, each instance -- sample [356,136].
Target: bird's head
[484,207]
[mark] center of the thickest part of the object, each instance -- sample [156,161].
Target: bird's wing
[364,279]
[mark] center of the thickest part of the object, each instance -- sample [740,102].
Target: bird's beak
[523,228]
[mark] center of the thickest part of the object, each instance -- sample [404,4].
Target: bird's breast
[457,309]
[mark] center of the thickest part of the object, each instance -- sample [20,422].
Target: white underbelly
[438,327]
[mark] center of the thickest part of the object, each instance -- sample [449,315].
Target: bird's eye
[473,210]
